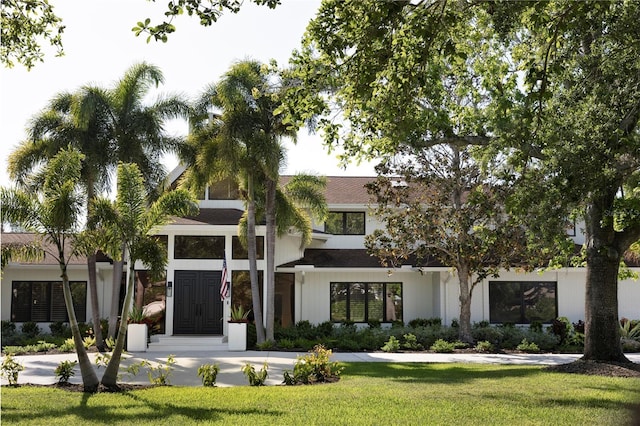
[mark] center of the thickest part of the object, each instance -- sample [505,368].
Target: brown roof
[23,238]
[343,189]
[211,217]
[345,258]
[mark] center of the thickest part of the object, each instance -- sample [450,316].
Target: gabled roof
[23,238]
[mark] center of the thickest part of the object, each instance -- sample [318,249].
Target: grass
[369,393]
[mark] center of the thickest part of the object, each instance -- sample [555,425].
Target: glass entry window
[364,302]
[198,247]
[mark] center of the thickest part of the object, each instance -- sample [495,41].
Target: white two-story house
[332,279]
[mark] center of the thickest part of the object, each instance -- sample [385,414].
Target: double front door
[197,304]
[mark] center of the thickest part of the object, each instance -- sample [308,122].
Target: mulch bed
[598,368]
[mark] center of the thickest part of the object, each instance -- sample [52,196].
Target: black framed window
[523,302]
[240,252]
[345,223]
[198,247]
[241,290]
[363,302]
[43,301]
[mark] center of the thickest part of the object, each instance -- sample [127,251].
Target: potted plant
[238,320]
[137,330]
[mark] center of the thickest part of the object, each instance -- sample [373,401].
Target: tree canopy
[26,25]
[552,87]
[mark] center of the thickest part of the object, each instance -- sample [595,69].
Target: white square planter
[237,340]
[137,337]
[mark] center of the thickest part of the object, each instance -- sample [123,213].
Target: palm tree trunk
[253,264]
[95,307]
[115,295]
[89,377]
[110,377]
[271,244]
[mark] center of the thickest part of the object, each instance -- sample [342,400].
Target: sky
[100,46]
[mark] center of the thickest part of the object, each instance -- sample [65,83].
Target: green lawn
[369,393]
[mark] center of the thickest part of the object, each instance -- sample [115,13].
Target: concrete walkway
[39,369]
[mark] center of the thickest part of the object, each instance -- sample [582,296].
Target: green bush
[67,346]
[313,367]
[255,378]
[411,342]
[511,336]
[30,329]
[391,345]
[11,369]
[60,329]
[425,322]
[528,347]
[8,329]
[286,344]
[488,333]
[484,346]
[208,373]
[442,346]
[481,324]
[545,341]
[64,371]
[267,345]
[324,329]
[374,324]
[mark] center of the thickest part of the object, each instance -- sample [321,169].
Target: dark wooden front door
[197,304]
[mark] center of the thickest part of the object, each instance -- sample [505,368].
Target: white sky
[100,46]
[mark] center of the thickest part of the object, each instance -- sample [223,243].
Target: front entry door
[197,304]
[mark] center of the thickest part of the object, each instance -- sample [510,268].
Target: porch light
[169,288]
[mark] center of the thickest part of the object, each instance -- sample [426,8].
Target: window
[364,302]
[284,295]
[522,302]
[43,301]
[224,190]
[241,290]
[240,252]
[198,247]
[345,223]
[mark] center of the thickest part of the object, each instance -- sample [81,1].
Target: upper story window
[240,252]
[198,247]
[224,190]
[522,302]
[345,223]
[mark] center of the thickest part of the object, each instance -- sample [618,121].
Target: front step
[173,344]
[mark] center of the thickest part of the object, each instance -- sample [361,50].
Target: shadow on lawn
[436,373]
[140,408]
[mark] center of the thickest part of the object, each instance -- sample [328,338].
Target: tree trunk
[602,327]
[271,246]
[115,297]
[95,307]
[464,331]
[253,263]
[89,376]
[110,376]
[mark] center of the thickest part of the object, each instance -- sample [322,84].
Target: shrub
[374,324]
[313,367]
[30,329]
[267,345]
[488,333]
[391,345]
[535,326]
[630,329]
[544,341]
[481,324]
[511,336]
[159,374]
[484,346]
[89,341]
[64,371]
[8,329]
[11,369]
[324,329]
[208,373]
[528,347]
[425,322]
[411,342]
[286,344]
[67,346]
[60,329]
[629,345]
[255,378]
[442,346]
[561,327]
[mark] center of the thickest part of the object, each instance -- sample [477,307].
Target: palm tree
[53,211]
[107,125]
[129,222]
[241,140]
